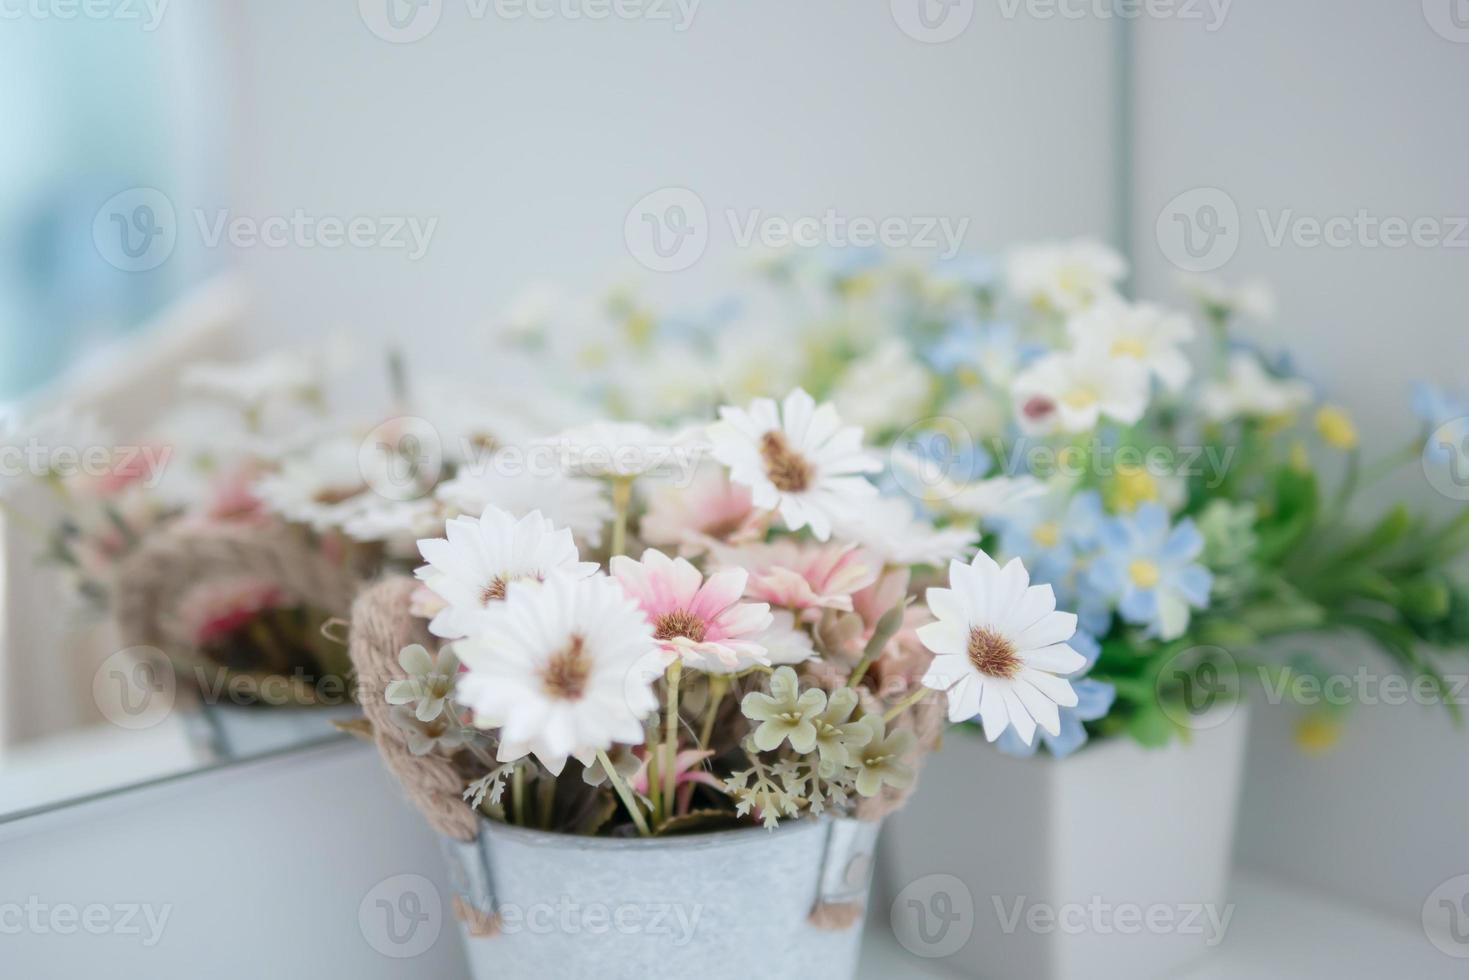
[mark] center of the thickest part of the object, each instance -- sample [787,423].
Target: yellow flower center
[1081,396]
[1047,535]
[1144,574]
[1134,485]
[1129,347]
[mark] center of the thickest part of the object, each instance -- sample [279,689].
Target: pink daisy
[710,509]
[699,620]
[793,575]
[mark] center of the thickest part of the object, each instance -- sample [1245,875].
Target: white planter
[1111,863]
[723,906]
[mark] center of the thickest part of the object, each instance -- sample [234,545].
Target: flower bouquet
[713,715]
[1189,495]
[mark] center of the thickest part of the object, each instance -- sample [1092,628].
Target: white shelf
[1279,932]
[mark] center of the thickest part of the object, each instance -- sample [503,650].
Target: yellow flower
[1336,427]
[1300,460]
[1133,485]
[1317,734]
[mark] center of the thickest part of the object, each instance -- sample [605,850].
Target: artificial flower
[324,487]
[398,524]
[1072,391]
[886,389]
[623,450]
[443,734]
[1094,700]
[790,574]
[503,481]
[1000,648]
[798,459]
[1151,571]
[1248,390]
[693,517]
[879,758]
[786,714]
[1253,298]
[430,681]
[1148,334]
[888,528]
[836,733]
[701,621]
[1336,427]
[479,558]
[1066,277]
[784,641]
[553,668]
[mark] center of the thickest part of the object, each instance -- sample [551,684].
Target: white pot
[723,906]
[1111,863]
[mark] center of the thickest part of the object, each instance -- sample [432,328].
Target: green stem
[546,801]
[903,705]
[675,671]
[517,791]
[621,500]
[718,686]
[623,793]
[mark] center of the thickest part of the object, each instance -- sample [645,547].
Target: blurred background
[218,176]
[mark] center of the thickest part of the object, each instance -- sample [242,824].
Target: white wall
[1327,108]
[530,141]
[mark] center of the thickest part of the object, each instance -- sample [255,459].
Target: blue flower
[1150,570]
[1434,406]
[1093,701]
[1048,533]
[971,271]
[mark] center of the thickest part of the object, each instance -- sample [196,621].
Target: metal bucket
[722,906]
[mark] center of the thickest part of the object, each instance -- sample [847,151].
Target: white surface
[1113,832]
[1278,933]
[1327,108]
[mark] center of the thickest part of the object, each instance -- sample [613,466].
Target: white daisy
[555,668]
[1072,391]
[397,524]
[888,528]
[798,459]
[622,450]
[1064,277]
[503,481]
[471,568]
[324,488]
[251,384]
[1254,298]
[886,389]
[783,641]
[1000,649]
[1143,332]
[1249,390]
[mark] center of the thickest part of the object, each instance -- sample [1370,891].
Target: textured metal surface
[725,906]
